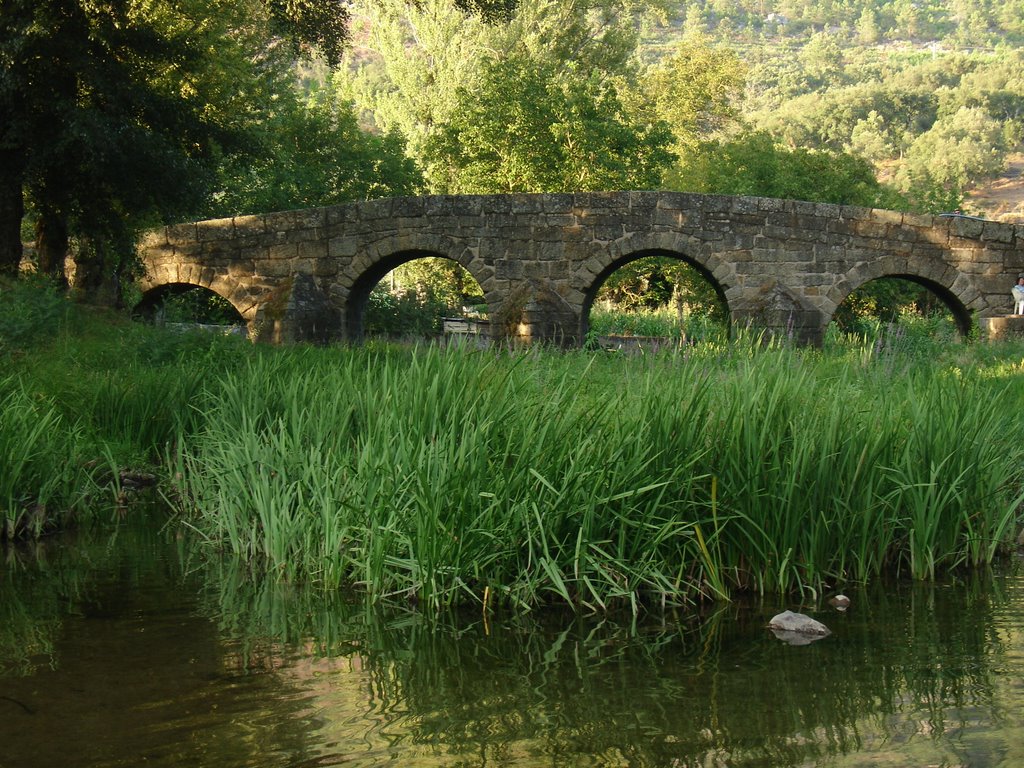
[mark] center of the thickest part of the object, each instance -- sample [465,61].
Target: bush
[405,312]
[31,310]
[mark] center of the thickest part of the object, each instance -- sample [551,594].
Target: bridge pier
[999,328]
[296,311]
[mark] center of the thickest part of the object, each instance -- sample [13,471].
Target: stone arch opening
[683,301]
[187,304]
[893,298]
[416,293]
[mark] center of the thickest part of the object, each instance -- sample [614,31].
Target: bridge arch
[161,283]
[591,292]
[719,275]
[367,272]
[953,289]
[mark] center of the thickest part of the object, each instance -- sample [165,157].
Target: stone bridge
[781,265]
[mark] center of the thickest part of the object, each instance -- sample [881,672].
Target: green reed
[445,477]
[41,473]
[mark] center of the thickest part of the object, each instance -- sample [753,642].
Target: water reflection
[137,651]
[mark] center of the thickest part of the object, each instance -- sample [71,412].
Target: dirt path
[1003,198]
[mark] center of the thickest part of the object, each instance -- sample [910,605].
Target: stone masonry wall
[540,259]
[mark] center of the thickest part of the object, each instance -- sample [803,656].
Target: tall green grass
[41,472]
[660,322]
[441,477]
[85,395]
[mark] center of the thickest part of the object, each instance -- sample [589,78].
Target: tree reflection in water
[909,671]
[184,661]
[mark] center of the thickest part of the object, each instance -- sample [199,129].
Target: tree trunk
[52,245]
[96,276]
[12,211]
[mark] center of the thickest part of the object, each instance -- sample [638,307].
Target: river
[124,648]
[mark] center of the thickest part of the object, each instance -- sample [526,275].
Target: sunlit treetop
[320,27]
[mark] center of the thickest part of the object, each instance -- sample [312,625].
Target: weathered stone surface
[782,263]
[799,624]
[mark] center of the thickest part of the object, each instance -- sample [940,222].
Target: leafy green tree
[695,90]
[958,151]
[527,127]
[117,112]
[653,282]
[418,56]
[314,153]
[871,140]
[112,121]
[77,108]
[756,164]
[822,59]
[867,27]
[413,59]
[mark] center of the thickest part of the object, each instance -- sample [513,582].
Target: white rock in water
[797,622]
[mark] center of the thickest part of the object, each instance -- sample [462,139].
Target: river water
[123,649]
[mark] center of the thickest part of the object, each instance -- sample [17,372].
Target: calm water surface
[124,651]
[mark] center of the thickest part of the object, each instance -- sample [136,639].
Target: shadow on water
[128,650]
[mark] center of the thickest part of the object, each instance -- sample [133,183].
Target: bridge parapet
[781,265]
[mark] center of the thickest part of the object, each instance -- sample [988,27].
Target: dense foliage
[122,114]
[591,479]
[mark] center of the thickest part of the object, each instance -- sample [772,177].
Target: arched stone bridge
[540,259]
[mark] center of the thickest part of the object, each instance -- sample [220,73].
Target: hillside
[1002,198]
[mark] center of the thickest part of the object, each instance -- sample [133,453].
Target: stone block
[746,205]
[998,232]
[342,247]
[508,269]
[181,234]
[215,229]
[872,229]
[281,251]
[312,250]
[545,234]
[715,203]
[559,270]
[468,206]
[881,216]
[770,204]
[374,210]
[341,214]
[643,201]
[561,220]
[534,270]
[531,205]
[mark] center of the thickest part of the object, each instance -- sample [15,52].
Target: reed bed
[444,477]
[41,474]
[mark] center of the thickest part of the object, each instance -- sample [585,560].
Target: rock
[795,638]
[135,480]
[797,629]
[839,602]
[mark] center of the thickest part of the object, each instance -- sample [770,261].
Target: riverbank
[451,476]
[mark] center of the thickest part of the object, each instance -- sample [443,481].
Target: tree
[871,140]
[116,112]
[958,151]
[107,119]
[101,139]
[867,27]
[755,164]
[416,56]
[313,153]
[822,59]
[528,128]
[695,90]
